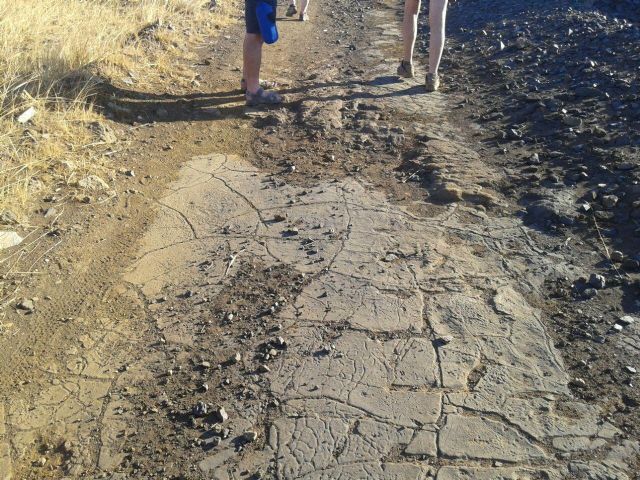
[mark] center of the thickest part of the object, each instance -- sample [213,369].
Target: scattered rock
[617,256]
[626,320]
[103,132]
[93,182]
[7,217]
[222,415]
[609,201]
[27,115]
[9,239]
[26,305]
[250,436]
[200,409]
[597,281]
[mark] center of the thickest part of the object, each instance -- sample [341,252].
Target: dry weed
[54,54]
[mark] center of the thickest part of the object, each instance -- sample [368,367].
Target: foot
[304,17]
[266,84]
[405,70]
[262,98]
[291,11]
[432,82]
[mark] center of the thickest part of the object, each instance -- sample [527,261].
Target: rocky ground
[369,282]
[554,91]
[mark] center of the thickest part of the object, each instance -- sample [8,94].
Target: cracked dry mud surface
[374,341]
[387,398]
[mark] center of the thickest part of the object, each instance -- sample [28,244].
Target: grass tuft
[53,56]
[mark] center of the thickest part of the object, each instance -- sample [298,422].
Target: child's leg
[410,28]
[437,21]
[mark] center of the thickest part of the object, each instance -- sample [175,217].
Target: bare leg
[437,21]
[410,28]
[252,58]
[304,4]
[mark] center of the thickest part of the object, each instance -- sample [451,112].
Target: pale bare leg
[437,21]
[410,29]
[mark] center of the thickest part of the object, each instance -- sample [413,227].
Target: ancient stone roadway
[438,359]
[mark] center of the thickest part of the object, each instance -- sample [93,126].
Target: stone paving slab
[384,385]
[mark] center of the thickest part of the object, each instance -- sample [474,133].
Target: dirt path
[313,312]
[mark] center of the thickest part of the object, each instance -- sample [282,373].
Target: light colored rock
[495,473]
[93,182]
[468,437]
[423,443]
[9,239]
[27,115]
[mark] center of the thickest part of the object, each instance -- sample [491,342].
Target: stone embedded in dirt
[222,415]
[205,364]
[93,182]
[617,256]
[445,339]
[578,382]
[278,217]
[26,305]
[589,293]
[291,232]
[250,436]
[617,327]
[609,201]
[631,369]
[200,409]
[211,442]
[7,217]
[50,212]
[27,115]
[597,281]
[103,132]
[9,239]
[572,121]
[235,358]
[263,369]
[626,320]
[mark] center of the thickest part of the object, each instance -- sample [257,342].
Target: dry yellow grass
[52,55]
